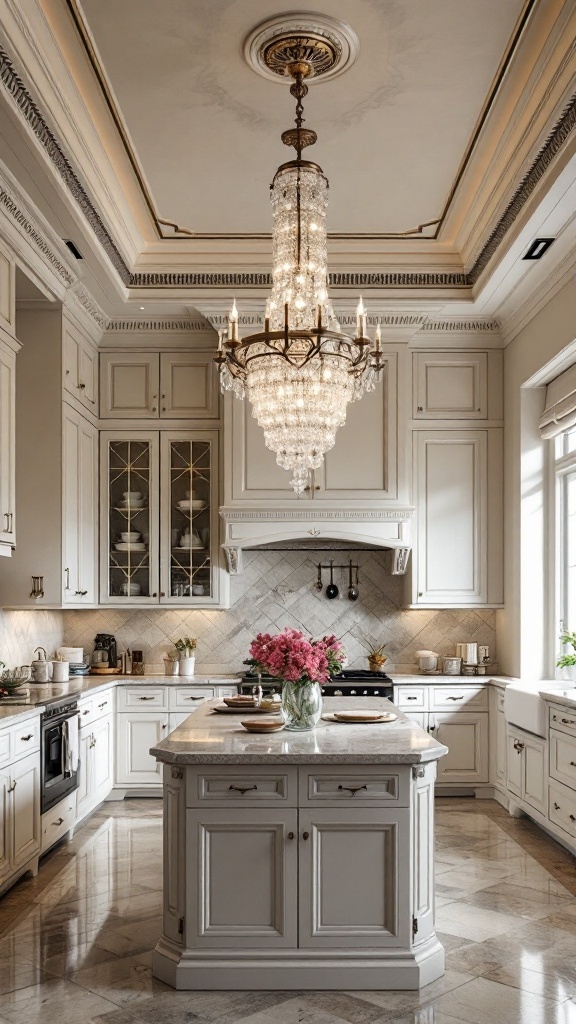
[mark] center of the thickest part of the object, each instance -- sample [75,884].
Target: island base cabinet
[297,896]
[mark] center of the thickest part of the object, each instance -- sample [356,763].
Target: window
[565,520]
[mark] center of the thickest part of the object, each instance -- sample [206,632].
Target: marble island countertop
[207,737]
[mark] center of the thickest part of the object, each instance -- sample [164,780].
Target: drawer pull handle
[87,712]
[194,698]
[568,721]
[572,818]
[59,822]
[456,698]
[28,737]
[351,789]
[145,698]
[290,835]
[411,698]
[573,764]
[305,835]
[242,789]
[11,788]
[518,746]
[556,807]
[103,705]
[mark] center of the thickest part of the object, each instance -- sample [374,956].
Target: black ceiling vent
[537,248]
[73,249]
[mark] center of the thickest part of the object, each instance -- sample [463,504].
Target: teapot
[41,668]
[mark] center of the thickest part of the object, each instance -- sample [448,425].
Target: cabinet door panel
[83,793]
[259,911]
[535,774]
[135,734]
[255,472]
[466,736]
[88,484]
[514,774]
[188,385]
[451,476]
[7,448]
[5,825]
[71,504]
[129,385]
[369,912]
[451,385]
[26,809]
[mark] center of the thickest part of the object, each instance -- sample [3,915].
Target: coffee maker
[105,650]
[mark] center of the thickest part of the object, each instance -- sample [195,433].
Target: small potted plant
[186,647]
[567,660]
[376,657]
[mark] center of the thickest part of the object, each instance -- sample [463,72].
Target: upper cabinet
[362,467]
[80,366]
[455,385]
[7,447]
[159,385]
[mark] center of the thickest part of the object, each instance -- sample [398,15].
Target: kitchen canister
[451,666]
[60,671]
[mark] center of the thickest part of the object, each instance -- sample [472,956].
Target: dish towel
[74,743]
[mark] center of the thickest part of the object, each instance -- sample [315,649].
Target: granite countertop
[207,737]
[42,694]
[417,678]
[565,698]
[10,713]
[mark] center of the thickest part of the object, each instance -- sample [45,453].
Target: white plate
[130,547]
[224,710]
[362,720]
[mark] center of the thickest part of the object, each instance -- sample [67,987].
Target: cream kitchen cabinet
[161,488]
[80,367]
[498,738]
[96,768]
[159,385]
[457,558]
[362,467]
[19,799]
[8,350]
[456,715]
[450,385]
[527,768]
[54,566]
[136,732]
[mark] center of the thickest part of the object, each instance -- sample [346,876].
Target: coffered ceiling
[137,129]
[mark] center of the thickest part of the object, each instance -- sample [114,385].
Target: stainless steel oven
[349,683]
[59,752]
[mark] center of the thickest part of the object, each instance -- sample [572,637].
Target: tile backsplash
[278,589]
[22,632]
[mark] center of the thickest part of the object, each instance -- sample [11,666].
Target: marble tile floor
[76,942]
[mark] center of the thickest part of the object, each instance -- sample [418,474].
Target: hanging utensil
[319,580]
[353,593]
[332,590]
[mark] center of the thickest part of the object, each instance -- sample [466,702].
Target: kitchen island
[299,860]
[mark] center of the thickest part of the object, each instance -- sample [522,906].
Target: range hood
[386,529]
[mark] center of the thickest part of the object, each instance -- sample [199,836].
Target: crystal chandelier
[301,371]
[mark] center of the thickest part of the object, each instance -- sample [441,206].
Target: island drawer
[563,719]
[448,698]
[329,785]
[562,807]
[26,737]
[189,698]
[142,697]
[563,758]
[256,786]
[412,697]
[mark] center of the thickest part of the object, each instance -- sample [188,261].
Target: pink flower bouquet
[292,657]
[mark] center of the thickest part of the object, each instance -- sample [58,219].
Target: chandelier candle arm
[299,374]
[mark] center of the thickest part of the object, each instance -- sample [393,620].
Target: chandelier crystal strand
[301,371]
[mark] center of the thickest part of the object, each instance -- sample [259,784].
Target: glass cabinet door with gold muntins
[130,547]
[189,480]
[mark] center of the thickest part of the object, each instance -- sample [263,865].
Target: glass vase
[301,705]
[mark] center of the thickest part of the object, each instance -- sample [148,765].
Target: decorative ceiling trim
[90,305]
[45,136]
[185,233]
[162,326]
[13,204]
[546,155]
[401,514]
[461,326]
[392,279]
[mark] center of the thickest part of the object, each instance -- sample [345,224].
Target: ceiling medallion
[301,370]
[329,46]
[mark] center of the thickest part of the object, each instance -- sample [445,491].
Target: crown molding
[89,305]
[388,279]
[231,514]
[166,325]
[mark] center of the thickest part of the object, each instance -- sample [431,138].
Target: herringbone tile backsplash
[278,589]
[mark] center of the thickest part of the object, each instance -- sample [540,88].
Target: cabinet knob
[572,818]
[165,725]
[419,593]
[162,593]
[420,408]
[305,835]
[556,807]
[573,764]
[290,835]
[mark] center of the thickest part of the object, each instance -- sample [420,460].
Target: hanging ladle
[319,580]
[332,590]
[353,592]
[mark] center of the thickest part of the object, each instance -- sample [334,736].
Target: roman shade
[559,414]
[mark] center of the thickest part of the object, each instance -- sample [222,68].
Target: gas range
[349,683]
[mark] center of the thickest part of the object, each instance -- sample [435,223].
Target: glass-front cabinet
[159,518]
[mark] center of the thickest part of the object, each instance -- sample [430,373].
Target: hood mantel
[387,528]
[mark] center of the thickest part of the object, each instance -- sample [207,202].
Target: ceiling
[204,127]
